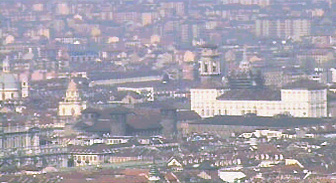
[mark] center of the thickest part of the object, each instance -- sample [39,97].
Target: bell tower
[24,88]
[209,63]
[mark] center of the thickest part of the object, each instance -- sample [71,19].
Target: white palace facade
[246,93]
[300,99]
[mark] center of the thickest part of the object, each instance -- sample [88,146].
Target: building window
[72,111]
[214,69]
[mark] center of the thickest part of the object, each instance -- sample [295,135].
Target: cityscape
[168,91]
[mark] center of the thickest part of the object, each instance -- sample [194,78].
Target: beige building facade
[284,28]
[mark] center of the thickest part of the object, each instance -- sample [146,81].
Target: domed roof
[10,81]
[72,86]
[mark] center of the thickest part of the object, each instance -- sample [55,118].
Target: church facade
[12,87]
[72,104]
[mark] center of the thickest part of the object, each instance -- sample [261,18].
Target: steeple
[244,65]
[245,77]
[24,87]
[5,65]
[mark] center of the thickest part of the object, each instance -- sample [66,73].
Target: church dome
[10,81]
[72,86]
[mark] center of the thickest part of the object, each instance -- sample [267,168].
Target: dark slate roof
[277,121]
[166,104]
[170,85]
[97,127]
[211,84]
[305,84]
[331,96]
[187,116]
[210,46]
[137,119]
[144,119]
[251,94]
[333,86]
[107,111]
[121,75]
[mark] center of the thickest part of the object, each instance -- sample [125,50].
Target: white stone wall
[241,107]
[204,101]
[9,94]
[333,75]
